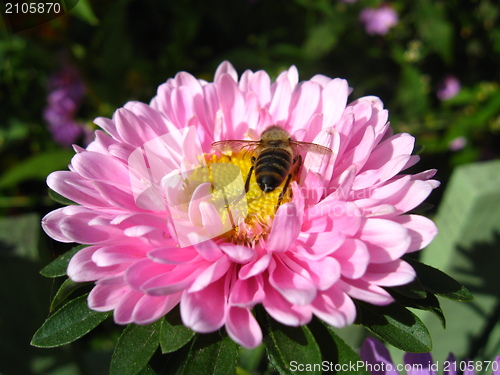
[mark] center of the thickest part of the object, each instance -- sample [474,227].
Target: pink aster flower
[448,88]
[168,221]
[458,143]
[379,20]
[66,92]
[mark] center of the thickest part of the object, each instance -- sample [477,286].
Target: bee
[276,157]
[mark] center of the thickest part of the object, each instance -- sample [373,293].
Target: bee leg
[230,214]
[283,192]
[247,182]
[297,163]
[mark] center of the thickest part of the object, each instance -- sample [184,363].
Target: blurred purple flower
[66,91]
[379,20]
[457,143]
[378,362]
[448,88]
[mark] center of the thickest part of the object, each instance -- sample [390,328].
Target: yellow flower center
[256,209]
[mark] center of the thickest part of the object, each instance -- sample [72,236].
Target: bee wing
[302,147]
[234,145]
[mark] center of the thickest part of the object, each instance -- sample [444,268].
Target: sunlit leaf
[396,325]
[336,354]
[68,324]
[65,290]
[211,354]
[174,334]
[134,349]
[288,347]
[437,282]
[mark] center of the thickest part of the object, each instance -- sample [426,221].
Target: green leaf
[288,347]
[173,333]
[396,325]
[134,349]
[211,354]
[147,371]
[336,353]
[83,10]
[59,265]
[430,303]
[68,324]
[65,290]
[56,197]
[414,290]
[437,282]
[434,28]
[36,167]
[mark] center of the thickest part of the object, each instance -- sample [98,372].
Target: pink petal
[414,194]
[100,167]
[248,292]
[124,310]
[144,270]
[386,239]
[173,281]
[304,104]
[147,115]
[211,220]
[294,287]
[421,230]
[131,129]
[242,327]
[209,250]
[334,307]
[233,106]
[364,291]
[113,255]
[51,225]
[397,145]
[82,268]
[280,102]
[255,268]
[238,253]
[353,257]
[260,84]
[376,176]
[334,100]
[106,296]
[225,68]
[315,246]
[283,311]
[150,308]
[205,311]
[323,273]
[74,187]
[285,229]
[211,274]
[333,215]
[173,255]
[397,272]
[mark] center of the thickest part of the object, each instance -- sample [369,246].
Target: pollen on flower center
[258,207]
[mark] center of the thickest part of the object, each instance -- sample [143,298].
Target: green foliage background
[125,48]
